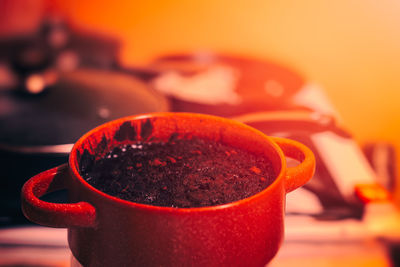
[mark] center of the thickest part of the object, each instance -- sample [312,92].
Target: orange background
[350,48]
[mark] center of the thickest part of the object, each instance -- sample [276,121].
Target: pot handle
[300,174]
[81,214]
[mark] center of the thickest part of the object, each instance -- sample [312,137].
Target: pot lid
[224,84]
[78,102]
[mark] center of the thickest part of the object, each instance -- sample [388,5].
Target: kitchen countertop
[307,243]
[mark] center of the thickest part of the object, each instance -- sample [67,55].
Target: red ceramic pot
[106,231]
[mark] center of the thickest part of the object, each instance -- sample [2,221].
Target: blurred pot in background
[56,83]
[225,85]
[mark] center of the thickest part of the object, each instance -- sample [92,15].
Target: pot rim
[279,179]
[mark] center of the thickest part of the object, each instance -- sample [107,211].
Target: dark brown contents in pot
[180,173]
